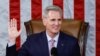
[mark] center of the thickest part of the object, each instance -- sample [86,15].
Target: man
[40,44]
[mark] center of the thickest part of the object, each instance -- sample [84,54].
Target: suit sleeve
[24,50]
[11,51]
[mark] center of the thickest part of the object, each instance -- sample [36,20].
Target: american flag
[24,10]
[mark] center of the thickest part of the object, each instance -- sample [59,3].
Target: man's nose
[57,23]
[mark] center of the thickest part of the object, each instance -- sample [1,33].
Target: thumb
[19,32]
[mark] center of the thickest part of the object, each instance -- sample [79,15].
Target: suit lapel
[44,45]
[60,45]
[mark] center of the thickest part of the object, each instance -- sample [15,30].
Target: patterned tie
[52,41]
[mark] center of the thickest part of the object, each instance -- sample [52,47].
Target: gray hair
[53,8]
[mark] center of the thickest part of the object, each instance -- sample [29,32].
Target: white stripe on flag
[46,3]
[4,16]
[68,9]
[25,16]
[90,17]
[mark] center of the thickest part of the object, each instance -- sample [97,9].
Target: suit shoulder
[70,40]
[68,37]
[35,36]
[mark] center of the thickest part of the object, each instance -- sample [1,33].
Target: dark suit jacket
[37,45]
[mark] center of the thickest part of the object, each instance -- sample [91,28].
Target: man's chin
[55,32]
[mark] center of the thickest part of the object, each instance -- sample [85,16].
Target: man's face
[53,22]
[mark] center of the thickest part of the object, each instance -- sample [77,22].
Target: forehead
[54,14]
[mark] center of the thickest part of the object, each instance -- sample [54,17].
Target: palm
[12,30]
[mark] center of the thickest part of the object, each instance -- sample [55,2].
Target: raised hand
[12,30]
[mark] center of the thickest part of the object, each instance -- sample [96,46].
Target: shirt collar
[55,38]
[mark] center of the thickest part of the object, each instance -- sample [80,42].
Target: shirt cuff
[11,44]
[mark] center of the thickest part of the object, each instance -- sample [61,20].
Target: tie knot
[52,41]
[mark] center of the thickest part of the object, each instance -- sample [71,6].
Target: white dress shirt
[55,39]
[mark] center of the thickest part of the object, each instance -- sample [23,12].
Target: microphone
[54,51]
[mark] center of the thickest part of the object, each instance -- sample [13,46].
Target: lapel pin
[62,44]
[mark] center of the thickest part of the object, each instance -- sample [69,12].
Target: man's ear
[44,20]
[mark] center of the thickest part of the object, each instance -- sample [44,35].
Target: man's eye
[52,19]
[59,19]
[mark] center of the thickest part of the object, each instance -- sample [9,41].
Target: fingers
[13,23]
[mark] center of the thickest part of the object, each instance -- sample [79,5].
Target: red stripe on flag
[79,9]
[97,27]
[36,9]
[58,3]
[15,13]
